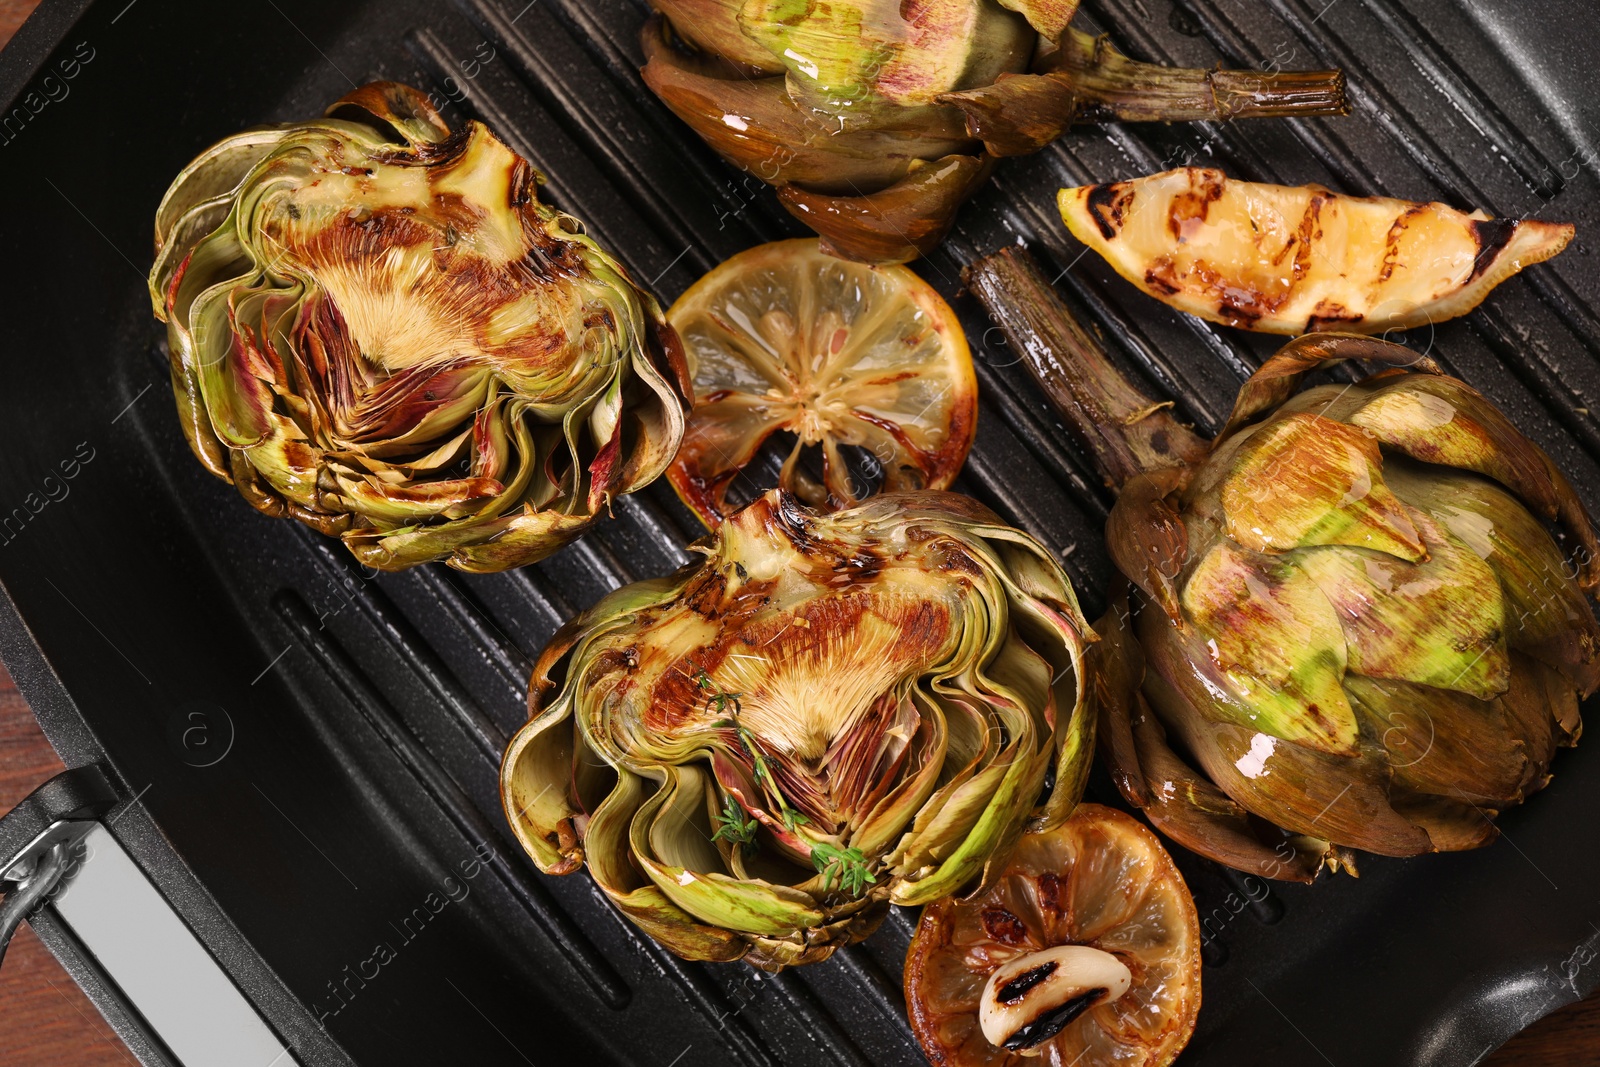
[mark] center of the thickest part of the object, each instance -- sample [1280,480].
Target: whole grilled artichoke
[826,714]
[876,119]
[1348,610]
[376,328]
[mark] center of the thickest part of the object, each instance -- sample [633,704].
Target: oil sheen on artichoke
[1359,619]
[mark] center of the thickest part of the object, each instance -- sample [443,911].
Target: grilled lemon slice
[1085,951]
[785,337]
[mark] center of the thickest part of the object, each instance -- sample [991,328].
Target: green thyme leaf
[716,699]
[735,827]
[747,741]
[846,867]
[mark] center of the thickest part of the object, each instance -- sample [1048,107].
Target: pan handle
[164,993]
[39,839]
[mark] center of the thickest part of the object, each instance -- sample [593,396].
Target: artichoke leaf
[1147,538]
[1449,743]
[1115,666]
[754,124]
[1279,376]
[606,845]
[237,405]
[1074,755]
[1546,614]
[200,189]
[1318,794]
[397,501]
[712,26]
[1337,402]
[1451,825]
[735,776]
[1437,622]
[611,862]
[1037,583]
[284,469]
[954,808]
[671,840]
[1544,709]
[468,544]
[997,825]
[657,428]
[614,612]
[1045,613]
[1073,721]
[877,829]
[1444,421]
[1241,605]
[409,112]
[1560,702]
[1305,480]
[1018,114]
[897,223]
[541,812]
[1049,18]
[1018,678]
[844,58]
[1192,811]
[972,743]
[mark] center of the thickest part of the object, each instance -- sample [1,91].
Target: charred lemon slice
[1288,259]
[868,365]
[1085,951]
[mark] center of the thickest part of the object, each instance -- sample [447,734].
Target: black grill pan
[365,715]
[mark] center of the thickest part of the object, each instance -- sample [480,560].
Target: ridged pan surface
[333,831]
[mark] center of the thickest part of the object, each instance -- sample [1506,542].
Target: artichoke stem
[1111,87]
[1128,432]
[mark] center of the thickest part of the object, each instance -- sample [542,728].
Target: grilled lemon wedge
[1292,259]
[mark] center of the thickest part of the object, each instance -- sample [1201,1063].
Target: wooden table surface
[46,1021]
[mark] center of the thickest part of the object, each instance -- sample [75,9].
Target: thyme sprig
[716,699]
[748,741]
[845,866]
[729,703]
[737,828]
[791,817]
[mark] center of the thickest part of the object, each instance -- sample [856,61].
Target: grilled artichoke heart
[376,328]
[876,119]
[1348,612]
[826,714]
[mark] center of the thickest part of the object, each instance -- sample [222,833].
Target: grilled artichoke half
[1348,613]
[876,119]
[376,328]
[826,714]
